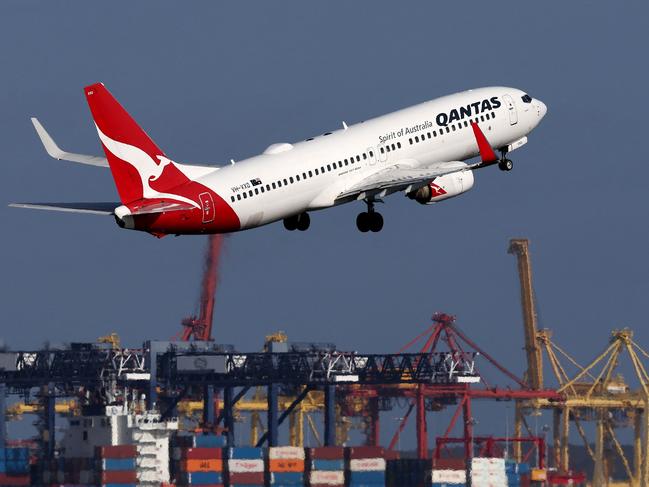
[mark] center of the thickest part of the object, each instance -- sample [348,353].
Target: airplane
[420,151]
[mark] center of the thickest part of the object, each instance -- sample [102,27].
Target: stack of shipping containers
[286,465]
[326,466]
[245,466]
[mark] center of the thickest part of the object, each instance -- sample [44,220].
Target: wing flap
[401,177]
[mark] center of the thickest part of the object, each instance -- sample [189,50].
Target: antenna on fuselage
[344,125]
[232,161]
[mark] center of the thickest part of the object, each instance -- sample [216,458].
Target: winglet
[57,153]
[487,154]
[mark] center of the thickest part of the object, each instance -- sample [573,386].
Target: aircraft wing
[401,177]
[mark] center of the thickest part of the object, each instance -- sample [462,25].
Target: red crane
[200,327]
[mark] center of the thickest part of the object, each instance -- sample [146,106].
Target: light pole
[399,420]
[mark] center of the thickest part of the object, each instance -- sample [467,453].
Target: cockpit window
[526,98]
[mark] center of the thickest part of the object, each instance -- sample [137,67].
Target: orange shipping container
[202,465]
[283,465]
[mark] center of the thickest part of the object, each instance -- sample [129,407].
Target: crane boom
[520,248]
[200,327]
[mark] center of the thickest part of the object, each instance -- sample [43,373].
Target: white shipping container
[327,477]
[484,464]
[449,476]
[286,453]
[243,466]
[367,464]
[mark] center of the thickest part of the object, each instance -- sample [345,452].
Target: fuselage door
[207,204]
[511,108]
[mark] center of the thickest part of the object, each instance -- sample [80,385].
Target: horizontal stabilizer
[103,208]
[57,153]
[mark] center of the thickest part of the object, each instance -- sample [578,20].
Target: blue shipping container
[358,478]
[287,478]
[246,453]
[210,441]
[204,478]
[118,485]
[328,465]
[17,453]
[16,467]
[118,464]
[524,468]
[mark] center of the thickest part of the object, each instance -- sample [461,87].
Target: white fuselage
[282,181]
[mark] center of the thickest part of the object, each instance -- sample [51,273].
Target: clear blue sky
[212,81]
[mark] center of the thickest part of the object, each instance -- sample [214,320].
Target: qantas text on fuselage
[420,151]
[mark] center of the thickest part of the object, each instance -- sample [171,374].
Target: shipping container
[327,453]
[287,478]
[201,465]
[245,452]
[286,452]
[116,451]
[282,465]
[247,478]
[118,464]
[245,466]
[366,452]
[321,464]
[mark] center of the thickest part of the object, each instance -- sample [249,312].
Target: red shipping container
[327,485]
[119,477]
[366,452]
[117,451]
[449,463]
[327,453]
[15,479]
[202,454]
[392,455]
[254,478]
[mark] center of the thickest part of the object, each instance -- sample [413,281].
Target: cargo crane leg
[228,416]
[422,431]
[3,413]
[49,417]
[273,423]
[208,406]
[330,415]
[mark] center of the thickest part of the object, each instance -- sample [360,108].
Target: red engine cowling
[443,187]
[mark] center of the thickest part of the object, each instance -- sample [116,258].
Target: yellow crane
[595,392]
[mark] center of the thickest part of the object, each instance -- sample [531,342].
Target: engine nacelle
[443,187]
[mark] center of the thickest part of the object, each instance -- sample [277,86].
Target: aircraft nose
[541,108]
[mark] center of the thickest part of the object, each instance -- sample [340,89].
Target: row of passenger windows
[304,176]
[388,146]
[451,128]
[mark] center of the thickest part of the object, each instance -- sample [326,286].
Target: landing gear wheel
[303,222]
[376,222]
[290,223]
[363,222]
[506,165]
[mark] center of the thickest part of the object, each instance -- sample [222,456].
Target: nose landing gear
[370,220]
[505,164]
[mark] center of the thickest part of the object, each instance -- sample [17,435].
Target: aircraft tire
[290,223]
[376,222]
[506,165]
[303,222]
[363,222]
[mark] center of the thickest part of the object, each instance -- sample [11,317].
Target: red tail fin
[134,159]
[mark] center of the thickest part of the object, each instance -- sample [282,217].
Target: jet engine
[443,187]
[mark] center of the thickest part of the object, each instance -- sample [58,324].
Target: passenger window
[291,179]
[273,185]
[346,162]
[279,184]
[382,151]
[417,139]
[371,154]
[285,182]
[364,156]
[428,134]
[297,177]
[322,170]
[328,167]
[434,133]
[466,124]
[250,193]
[256,190]
[453,127]
[398,145]
[358,159]
[245,195]
[262,189]
[232,199]
[268,187]
[393,147]
[482,118]
[410,140]
[239,197]
[447,129]
[387,148]
[310,174]
[316,172]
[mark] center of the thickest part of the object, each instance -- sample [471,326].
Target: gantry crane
[596,392]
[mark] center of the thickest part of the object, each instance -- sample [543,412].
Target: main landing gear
[505,164]
[369,220]
[299,222]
